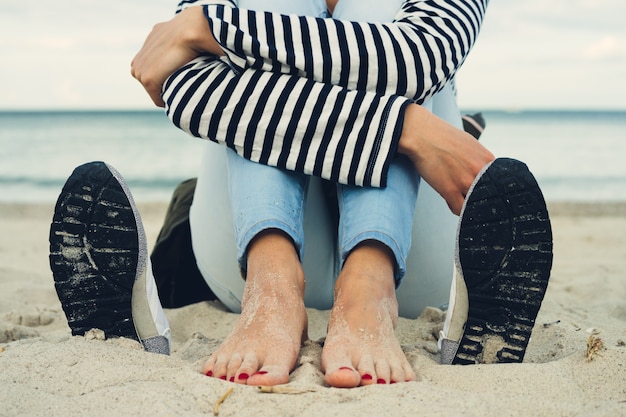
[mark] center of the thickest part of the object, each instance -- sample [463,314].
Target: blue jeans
[264,197]
[260,197]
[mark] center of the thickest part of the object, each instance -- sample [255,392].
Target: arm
[301,125]
[418,53]
[354,149]
[290,122]
[172,44]
[414,56]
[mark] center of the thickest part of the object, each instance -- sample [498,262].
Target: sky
[531,54]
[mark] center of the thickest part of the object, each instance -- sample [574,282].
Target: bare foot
[263,347]
[361,347]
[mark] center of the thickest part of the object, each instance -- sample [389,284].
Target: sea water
[575,155]
[39,150]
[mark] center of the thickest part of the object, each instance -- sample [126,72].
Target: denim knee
[262,198]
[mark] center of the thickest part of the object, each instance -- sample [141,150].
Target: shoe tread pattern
[505,251]
[94,252]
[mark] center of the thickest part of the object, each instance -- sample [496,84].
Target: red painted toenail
[381,381]
[243,376]
[232,379]
[345,368]
[223,378]
[367,377]
[261,373]
[209,373]
[392,382]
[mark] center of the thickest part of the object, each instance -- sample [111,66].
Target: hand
[447,158]
[171,45]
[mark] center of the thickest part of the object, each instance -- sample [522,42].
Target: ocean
[576,156]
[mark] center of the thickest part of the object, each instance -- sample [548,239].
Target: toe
[383,372]
[397,374]
[249,367]
[343,377]
[367,370]
[220,368]
[409,373]
[269,375]
[232,369]
[209,367]
[338,368]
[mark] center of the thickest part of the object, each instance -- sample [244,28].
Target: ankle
[364,302]
[362,295]
[273,262]
[371,266]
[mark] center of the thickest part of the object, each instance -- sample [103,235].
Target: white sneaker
[503,263]
[100,263]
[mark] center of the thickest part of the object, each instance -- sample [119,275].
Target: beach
[44,371]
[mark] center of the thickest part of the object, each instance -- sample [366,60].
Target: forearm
[294,123]
[415,56]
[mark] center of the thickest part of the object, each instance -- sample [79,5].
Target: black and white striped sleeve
[413,56]
[288,121]
[183,4]
[320,96]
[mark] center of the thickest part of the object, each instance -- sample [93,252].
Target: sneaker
[503,263]
[474,124]
[99,260]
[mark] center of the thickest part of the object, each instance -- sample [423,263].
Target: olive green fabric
[173,263]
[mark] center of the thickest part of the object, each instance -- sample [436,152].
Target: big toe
[269,375]
[342,377]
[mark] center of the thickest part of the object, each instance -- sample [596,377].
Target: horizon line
[507,109]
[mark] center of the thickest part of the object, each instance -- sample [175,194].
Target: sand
[44,371]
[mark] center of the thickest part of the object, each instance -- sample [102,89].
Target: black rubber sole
[94,252]
[505,251]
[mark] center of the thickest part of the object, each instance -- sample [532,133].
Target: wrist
[196,33]
[416,122]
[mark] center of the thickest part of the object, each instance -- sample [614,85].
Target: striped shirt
[320,96]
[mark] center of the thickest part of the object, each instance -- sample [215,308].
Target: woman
[360,347]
